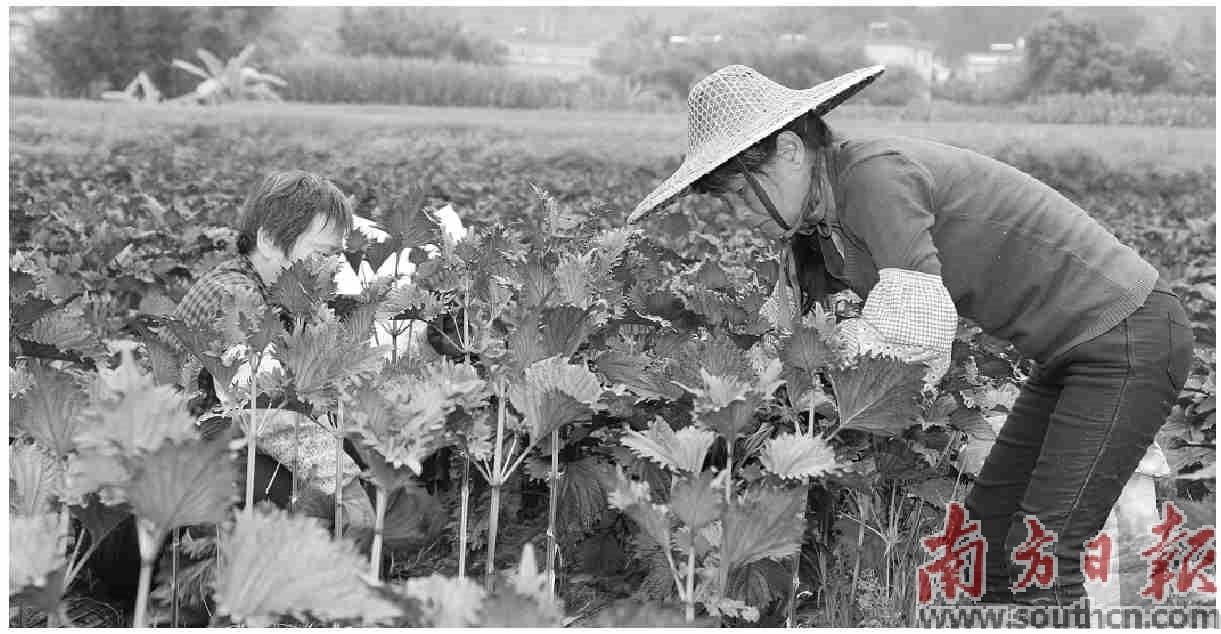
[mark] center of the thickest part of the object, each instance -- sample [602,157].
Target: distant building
[716,38]
[550,59]
[884,47]
[1000,55]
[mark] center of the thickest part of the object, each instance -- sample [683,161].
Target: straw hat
[736,107]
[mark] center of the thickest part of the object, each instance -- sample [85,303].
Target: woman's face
[785,179]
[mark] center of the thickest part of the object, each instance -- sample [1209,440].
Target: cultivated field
[636,138]
[556,340]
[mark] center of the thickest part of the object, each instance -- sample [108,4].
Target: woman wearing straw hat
[926,232]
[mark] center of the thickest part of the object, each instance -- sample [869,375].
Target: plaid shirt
[213,293]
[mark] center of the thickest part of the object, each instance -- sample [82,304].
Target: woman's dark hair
[809,127]
[285,204]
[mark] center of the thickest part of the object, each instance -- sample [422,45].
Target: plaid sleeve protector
[909,315]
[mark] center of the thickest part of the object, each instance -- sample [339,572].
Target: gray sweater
[1018,258]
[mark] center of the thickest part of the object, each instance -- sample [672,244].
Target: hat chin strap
[810,205]
[762,195]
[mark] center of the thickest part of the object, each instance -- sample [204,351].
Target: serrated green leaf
[565,329]
[207,342]
[973,423]
[19,380]
[417,302]
[632,498]
[797,456]
[36,480]
[447,601]
[51,410]
[36,551]
[383,473]
[760,583]
[413,517]
[806,351]
[92,472]
[766,524]
[64,330]
[305,285]
[719,355]
[572,280]
[717,307]
[681,451]
[878,395]
[322,360]
[938,492]
[621,367]
[263,575]
[694,500]
[582,497]
[717,392]
[181,484]
[525,342]
[779,310]
[405,420]
[132,414]
[987,397]
[632,371]
[733,608]
[732,419]
[554,393]
[99,519]
[407,221]
[574,380]
[547,410]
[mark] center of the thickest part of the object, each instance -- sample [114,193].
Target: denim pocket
[1182,351]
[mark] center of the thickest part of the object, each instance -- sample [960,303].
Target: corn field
[334,79]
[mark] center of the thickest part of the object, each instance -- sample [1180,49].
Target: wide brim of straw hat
[782,107]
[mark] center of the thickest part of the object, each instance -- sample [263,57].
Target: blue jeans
[1076,434]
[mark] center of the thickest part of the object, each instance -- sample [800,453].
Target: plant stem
[893,530]
[493,525]
[690,594]
[338,487]
[552,546]
[64,530]
[724,572]
[150,544]
[379,527]
[146,577]
[790,618]
[174,581]
[860,543]
[464,512]
[498,480]
[292,498]
[251,441]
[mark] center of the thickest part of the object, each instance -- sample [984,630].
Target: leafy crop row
[1178,111]
[635,409]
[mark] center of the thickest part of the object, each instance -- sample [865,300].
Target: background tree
[400,32]
[89,49]
[1070,54]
